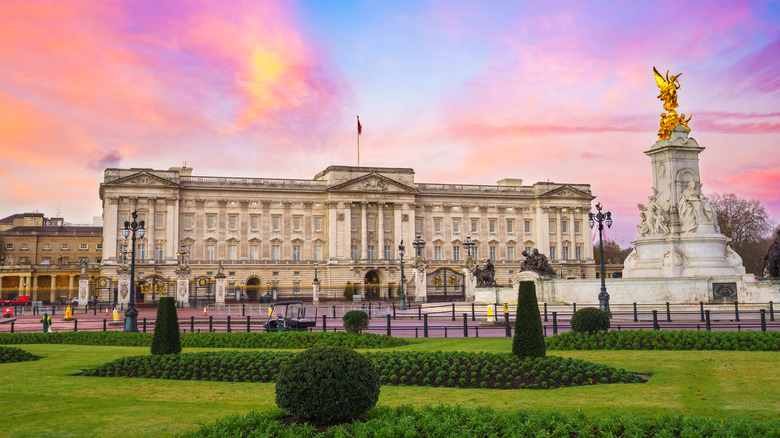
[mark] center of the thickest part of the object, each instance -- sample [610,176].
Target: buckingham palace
[268,237]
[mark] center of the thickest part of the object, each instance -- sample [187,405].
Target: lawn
[43,398]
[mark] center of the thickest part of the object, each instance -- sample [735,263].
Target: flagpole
[358,141]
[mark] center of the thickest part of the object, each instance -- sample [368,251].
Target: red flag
[360,127]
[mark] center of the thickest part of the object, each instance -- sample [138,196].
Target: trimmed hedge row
[447,369]
[13,354]
[285,340]
[486,422]
[666,340]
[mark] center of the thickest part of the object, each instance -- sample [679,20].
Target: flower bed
[479,422]
[283,340]
[666,340]
[449,369]
[13,354]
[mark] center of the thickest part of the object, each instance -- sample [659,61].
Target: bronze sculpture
[668,86]
[770,262]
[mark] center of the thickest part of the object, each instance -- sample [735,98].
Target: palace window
[254,222]
[158,249]
[254,252]
[211,221]
[24,246]
[99,246]
[510,253]
[418,225]
[564,226]
[577,227]
[9,246]
[276,223]
[474,225]
[437,225]
[297,252]
[159,221]
[492,225]
[492,253]
[510,226]
[47,247]
[354,223]
[65,247]
[566,253]
[552,253]
[297,220]
[370,224]
[527,226]
[475,253]
[276,252]
[232,252]
[456,226]
[142,251]
[578,252]
[370,252]
[82,246]
[317,252]
[552,226]
[437,252]
[388,252]
[210,252]
[388,224]
[297,287]
[353,252]
[318,223]
[456,253]
[187,222]
[233,222]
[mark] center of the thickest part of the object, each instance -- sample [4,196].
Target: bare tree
[613,253]
[746,222]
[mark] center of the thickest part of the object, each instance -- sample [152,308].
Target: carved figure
[769,264]
[538,263]
[84,264]
[643,228]
[485,277]
[668,86]
[694,209]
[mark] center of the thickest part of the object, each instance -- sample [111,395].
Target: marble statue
[694,209]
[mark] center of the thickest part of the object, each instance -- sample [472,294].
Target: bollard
[545,312]
[555,323]
[243,310]
[508,329]
[12,326]
[211,323]
[104,324]
[228,324]
[388,326]
[574,306]
[763,320]
[324,323]
[425,325]
[771,311]
[736,311]
[668,313]
[75,325]
[419,313]
[707,320]
[655,320]
[192,324]
[465,325]
[334,310]
[94,310]
[476,331]
[636,317]
[473,317]
[248,328]
[144,325]
[393,310]
[416,335]
[369,310]
[445,331]
[701,310]
[453,311]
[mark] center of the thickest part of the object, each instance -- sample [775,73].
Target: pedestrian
[46,320]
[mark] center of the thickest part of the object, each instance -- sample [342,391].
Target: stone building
[42,257]
[268,236]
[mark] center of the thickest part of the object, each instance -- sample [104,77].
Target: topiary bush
[166,338]
[529,335]
[327,384]
[589,320]
[355,321]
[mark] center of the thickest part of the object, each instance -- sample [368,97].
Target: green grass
[44,398]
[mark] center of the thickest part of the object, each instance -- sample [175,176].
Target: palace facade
[272,236]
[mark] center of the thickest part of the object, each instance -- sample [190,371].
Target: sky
[460,91]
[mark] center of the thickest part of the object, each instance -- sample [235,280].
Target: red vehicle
[8,312]
[23,300]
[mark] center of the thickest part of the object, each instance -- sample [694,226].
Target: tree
[613,253]
[746,223]
[349,290]
[166,338]
[529,335]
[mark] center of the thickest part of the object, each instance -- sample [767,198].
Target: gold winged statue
[668,94]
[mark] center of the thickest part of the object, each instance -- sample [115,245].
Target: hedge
[667,340]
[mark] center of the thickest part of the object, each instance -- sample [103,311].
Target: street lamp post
[468,244]
[402,295]
[131,314]
[419,245]
[601,218]
[183,254]
[315,272]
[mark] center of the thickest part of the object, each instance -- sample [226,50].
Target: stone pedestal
[83,290]
[470,281]
[123,283]
[315,292]
[420,285]
[678,230]
[183,287]
[221,284]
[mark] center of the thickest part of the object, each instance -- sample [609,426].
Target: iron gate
[445,284]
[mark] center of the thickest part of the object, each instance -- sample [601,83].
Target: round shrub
[327,384]
[355,321]
[589,320]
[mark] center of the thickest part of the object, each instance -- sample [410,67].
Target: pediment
[372,183]
[142,179]
[567,192]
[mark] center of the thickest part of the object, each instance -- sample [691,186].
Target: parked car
[75,302]
[23,300]
[291,315]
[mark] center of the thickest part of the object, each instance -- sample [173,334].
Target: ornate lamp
[602,218]
[131,314]
[401,252]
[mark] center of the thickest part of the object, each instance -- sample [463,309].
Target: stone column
[53,289]
[171,229]
[346,243]
[151,225]
[221,284]
[34,287]
[110,227]
[380,232]
[363,230]
[315,292]
[71,279]
[333,231]
[183,286]
[397,227]
[410,233]
[123,284]
[1,286]
[83,290]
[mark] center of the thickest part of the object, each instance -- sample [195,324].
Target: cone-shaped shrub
[166,338]
[327,384]
[349,290]
[529,336]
